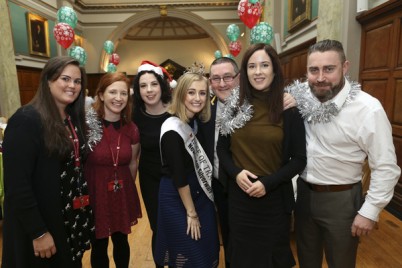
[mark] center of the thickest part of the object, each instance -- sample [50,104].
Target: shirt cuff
[370,211]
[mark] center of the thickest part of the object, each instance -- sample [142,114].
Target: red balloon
[249,13]
[114,58]
[64,34]
[235,47]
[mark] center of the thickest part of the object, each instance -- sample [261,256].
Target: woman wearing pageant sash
[111,169]
[187,231]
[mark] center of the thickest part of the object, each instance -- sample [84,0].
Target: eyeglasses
[226,79]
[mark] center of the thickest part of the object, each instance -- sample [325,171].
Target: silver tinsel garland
[314,111]
[232,116]
[95,130]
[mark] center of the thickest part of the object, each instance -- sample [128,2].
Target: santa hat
[150,66]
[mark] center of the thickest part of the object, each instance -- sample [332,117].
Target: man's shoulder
[365,99]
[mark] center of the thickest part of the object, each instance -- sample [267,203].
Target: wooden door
[381,72]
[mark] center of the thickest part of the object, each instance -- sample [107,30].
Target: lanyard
[115,158]
[76,142]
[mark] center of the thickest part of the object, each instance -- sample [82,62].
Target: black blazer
[32,204]
[207,138]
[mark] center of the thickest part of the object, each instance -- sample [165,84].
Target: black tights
[121,251]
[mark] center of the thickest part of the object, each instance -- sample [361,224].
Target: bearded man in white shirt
[344,126]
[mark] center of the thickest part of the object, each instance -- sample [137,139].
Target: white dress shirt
[336,150]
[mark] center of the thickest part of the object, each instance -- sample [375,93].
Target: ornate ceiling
[162,28]
[98,4]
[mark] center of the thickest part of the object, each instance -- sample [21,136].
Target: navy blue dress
[173,246]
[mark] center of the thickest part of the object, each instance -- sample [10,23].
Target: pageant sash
[203,167]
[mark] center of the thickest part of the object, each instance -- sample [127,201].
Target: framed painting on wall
[38,35]
[299,13]
[78,40]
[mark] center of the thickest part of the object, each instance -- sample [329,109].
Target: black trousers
[222,206]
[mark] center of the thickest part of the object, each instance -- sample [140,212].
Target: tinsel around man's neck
[311,109]
[234,116]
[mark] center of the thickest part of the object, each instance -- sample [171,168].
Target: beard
[324,95]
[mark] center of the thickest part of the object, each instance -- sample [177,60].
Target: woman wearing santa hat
[151,96]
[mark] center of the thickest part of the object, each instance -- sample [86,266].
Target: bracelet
[193,217]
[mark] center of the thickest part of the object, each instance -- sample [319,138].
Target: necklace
[117,184]
[115,158]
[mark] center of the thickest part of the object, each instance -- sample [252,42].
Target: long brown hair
[56,137]
[106,81]
[275,92]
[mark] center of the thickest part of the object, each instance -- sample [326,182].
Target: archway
[122,29]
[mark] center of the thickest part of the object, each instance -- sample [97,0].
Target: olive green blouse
[257,147]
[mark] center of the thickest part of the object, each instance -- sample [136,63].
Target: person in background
[151,98]
[223,77]
[47,218]
[88,100]
[187,230]
[261,148]
[344,126]
[111,170]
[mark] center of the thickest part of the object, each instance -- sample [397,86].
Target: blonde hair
[177,106]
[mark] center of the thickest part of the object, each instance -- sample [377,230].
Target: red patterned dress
[115,211]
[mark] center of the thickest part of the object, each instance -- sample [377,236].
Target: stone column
[330,18]
[9,90]
[337,20]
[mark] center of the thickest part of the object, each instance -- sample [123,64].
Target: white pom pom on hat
[173,83]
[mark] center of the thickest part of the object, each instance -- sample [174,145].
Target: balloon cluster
[233,33]
[249,12]
[64,33]
[114,58]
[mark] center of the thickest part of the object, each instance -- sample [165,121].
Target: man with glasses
[223,77]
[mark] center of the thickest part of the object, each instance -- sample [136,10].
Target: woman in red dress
[111,170]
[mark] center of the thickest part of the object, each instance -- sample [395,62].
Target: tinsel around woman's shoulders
[95,130]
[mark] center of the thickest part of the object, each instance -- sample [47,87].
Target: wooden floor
[382,248]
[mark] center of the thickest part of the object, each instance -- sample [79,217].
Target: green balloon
[79,54]
[218,54]
[108,46]
[233,32]
[111,68]
[67,15]
[252,1]
[261,33]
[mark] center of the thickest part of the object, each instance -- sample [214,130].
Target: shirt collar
[341,97]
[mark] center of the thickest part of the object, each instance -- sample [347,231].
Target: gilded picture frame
[299,13]
[78,40]
[38,35]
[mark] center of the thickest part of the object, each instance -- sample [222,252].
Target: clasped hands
[256,189]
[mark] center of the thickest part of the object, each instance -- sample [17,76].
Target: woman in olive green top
[261,148]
